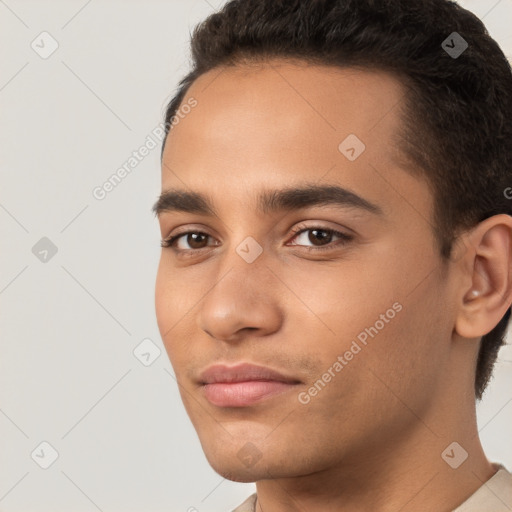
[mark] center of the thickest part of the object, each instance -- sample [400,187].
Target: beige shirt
[495,495]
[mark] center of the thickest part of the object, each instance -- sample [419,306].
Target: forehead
[339,98]
[267,124]
[293,102]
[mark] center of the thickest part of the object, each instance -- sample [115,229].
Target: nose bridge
[242,295]
[246,245]
[244,267]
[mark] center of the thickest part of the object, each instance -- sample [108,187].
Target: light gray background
[69,325]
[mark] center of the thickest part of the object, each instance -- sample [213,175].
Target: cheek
[168,296]
[409,355]
[347,297]
[173,296]
[176,301]
[161,291]
[383,311]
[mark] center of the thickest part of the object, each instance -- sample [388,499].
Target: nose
[244,299]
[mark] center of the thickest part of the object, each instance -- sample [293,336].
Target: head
[368,167]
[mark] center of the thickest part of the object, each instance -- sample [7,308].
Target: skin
[372,438]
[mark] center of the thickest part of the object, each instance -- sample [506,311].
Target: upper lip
[241,373]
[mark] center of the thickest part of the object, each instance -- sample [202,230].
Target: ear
[487,268]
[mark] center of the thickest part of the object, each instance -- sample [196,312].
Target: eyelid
[344,238]
[170,240]
[341,232]
[185,230]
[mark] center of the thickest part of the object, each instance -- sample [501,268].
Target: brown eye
[320,238]
[320,235]
[194,240]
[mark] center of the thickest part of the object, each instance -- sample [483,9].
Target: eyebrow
[268,201]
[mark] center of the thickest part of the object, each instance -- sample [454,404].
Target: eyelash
[343,240]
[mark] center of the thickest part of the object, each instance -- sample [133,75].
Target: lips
[243,385]
[242,373]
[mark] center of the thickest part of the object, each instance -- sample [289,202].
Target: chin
[238,461]
[243,477]
[236,472]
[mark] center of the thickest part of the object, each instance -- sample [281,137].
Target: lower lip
[242,394]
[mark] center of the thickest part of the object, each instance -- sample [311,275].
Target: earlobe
[489,265]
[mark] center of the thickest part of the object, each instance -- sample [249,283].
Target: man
[336,273]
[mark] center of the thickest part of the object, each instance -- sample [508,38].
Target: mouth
[243,385]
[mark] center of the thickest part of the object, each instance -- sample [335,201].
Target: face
[340,288]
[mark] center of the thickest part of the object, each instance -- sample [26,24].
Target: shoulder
[493,496]
[249,505]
